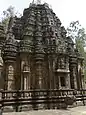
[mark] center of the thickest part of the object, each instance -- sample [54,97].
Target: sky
[66,10]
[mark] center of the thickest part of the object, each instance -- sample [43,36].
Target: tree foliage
[77,33]
[6,16]
[9,12]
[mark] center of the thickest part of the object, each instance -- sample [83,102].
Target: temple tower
[38,54]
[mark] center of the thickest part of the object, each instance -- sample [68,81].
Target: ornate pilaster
[73,72]
[80,75]
[68,84]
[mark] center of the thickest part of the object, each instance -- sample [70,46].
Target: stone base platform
[81,110]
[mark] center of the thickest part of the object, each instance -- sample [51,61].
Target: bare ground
[81,110]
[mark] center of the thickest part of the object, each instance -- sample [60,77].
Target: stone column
[39,75]
[11,75]
[51,76]
[73,75]
[68,73]
[68,81]
[59,82]
[39,80]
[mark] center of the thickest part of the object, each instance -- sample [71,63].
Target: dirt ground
[81,110]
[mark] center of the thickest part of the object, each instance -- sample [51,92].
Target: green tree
[77,33]
[6,16]
[10,12]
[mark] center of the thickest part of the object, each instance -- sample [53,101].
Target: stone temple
[37,53]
